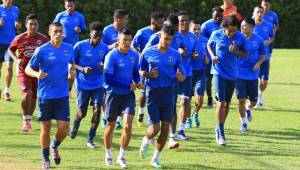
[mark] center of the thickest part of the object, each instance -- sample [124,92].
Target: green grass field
[273,140]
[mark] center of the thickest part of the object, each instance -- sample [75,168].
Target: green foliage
[140,10]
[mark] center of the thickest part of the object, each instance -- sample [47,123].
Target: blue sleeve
[35,59]
[203,31]
[111,80]
[18,14]
[276,19]
[106,51]
[105,37]
[136,75]
[82,24]
[153,40]
[143,63]
[76,53]
[271,33]
[243,45]
[261,49]
[57,18]
[109,64]
[211,41]
[136,40]
[178,64]
[71,60]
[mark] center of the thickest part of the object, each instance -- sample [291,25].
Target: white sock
[156,154]
[259,93]
[181,126]
[142,110]
[122,153]
[119,119]
[108,153]
[172,136]
[243,120]
[195,113]
[27,117]
[6,90]
[145,140]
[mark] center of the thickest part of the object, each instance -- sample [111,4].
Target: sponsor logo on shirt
[88,53]
[265,29]
[132,59]
[39,42]
[51,56]
[170,59]
[66,53]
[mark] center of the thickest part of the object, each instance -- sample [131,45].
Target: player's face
[183,23]
[258,14]
[266,6]
[246,28]
[124,41]
[217,17]
[7,3]
[95,36]
[123,20]
[32,25]
[195,29]
[165,40]
[158,23]
[230,31]
[70,6]
[56,33]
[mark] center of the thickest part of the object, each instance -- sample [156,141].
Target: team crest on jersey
[271,18]
[101,53]
[192,40]
[132,59]
[170,59]
[39,42]
[66,53]
[177,40]
[254,43]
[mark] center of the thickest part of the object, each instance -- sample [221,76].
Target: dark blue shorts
[247,89]
[160,104]
[94,96]
[116,104]
[223,89]
[199,82]
[264,70]
[185,88]
[175,90]
[57,109]
[4,53]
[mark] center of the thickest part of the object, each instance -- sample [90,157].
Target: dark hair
[168,29]
[173,19]
[231,21]
[96,25]
[174,12]
[265,1]
[125,31]
[58,24]
[181,12]
[119,13]
[155,15]
[217,9]
[69,0]
[194,21]
[249,20]
[258,6]
[30,16]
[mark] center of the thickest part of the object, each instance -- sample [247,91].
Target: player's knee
[81,113]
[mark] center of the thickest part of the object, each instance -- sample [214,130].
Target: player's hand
[1,21]
[72,72]
[101,67]
[154,73]
[77,29]
[182,52]
[41,75]
[18,25]
[180,76]
[87,70]
[195,54]
[256,67]
[20,62]
[132,87]
[140,85]
[232,47]
[215,59]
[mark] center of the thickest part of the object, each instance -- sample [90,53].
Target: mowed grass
[273,140]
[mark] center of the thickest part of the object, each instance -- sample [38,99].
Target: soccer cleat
[217,132]
[222,141]
[140,120]
[155,163]
[7,97]
[182,136]
[196,120]
[188,123]
[26,126]
[46,165]
[144,150]
[108,161]
[173,144]
[73,132]
[249,115]
[122,162]
[56,156]
[103,123]
[209,103]
[118,126]
[90,144]
[244,128]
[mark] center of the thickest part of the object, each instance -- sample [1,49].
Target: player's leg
[8,76]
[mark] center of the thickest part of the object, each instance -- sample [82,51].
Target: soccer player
[110,35]
[139,42]
[199,64]
[270,15]
[121,77]
[73,24]
[185,87]
[206,30]
[25,44]
[265,30]
[52,59]
[159,65]
[9,16]
[231,9]
[225,46]
[89,57]
[248,72]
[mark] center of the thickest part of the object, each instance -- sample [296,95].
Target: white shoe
[222,141]
[173,144]
[155,163]
[122,162]
[108,161]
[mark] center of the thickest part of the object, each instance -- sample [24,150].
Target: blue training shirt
[272,17]
[189,40]
[200,48]
[122,67]
[208,27]
[177,41]
[265,31]
[142,37]
[54,62]
[110,35]
[226,67]
[69,23]
[166,63]
[7,31]
[256,49]
[86,55]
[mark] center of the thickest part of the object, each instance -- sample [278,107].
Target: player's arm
[242,52]
[12,50]
[144,69]
[18,25]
